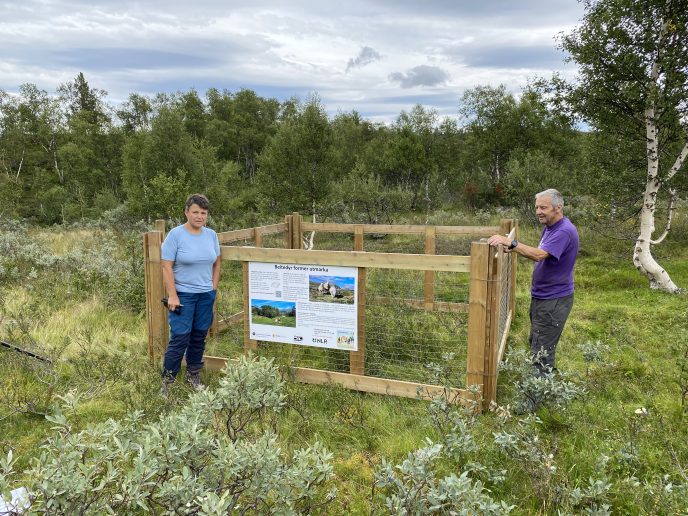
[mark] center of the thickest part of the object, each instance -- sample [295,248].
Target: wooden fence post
[514,263]
[288,234]
[357,358]
[506,225]
[158,331]
[160,226]
[494,270]
[297,232]
[249,343]
[257,237]
[477,315]
[429,284]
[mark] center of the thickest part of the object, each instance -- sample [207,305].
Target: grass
[275,321]
[101,350]
[614,305]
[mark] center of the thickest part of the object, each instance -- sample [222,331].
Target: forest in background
[614,141]
[71,156]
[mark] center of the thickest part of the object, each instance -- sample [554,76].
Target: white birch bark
[16,178]
[670,215]
[642,253]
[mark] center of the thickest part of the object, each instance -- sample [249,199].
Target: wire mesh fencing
[505,280]
[413,322]
[405,339]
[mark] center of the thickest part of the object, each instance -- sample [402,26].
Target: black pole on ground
[24,351]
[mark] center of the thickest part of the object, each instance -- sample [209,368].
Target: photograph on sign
[308,305]
[345,340]
[332,289]
[273,313]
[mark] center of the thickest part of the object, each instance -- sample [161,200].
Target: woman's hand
[173,302]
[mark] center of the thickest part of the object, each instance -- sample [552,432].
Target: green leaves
[415,487]
[296,166]
[186,459]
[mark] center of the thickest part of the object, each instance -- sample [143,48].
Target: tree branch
[680,160]
[672,198]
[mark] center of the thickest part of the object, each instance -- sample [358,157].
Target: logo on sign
[317,340]
[298,338]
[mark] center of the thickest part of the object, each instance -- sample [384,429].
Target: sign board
[308,305]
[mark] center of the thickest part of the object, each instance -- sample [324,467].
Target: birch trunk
[642,253]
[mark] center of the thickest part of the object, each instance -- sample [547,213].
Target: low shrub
[216,454]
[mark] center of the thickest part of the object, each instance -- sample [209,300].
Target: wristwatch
[514,243]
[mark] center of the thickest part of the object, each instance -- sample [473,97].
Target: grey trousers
[547,319]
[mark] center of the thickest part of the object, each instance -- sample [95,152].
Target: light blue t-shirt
[193,257]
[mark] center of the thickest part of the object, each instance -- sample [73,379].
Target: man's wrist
[514,244]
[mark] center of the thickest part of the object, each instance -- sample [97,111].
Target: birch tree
[295,169]
[633,84]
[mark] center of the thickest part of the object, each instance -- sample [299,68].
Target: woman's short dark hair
[199,200]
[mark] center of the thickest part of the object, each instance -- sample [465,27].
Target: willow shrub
[219,453]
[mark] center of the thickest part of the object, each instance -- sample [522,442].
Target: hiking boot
[194,379]
[165,388]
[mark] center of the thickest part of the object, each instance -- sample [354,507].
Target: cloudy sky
[375,56]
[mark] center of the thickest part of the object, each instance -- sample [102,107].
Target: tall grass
[622,344]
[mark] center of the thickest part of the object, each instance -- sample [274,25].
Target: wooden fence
[491,304]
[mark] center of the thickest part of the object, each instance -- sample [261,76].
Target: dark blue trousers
[188,330]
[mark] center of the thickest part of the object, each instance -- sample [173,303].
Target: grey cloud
[153,46]
[129,58]
[524,13]
[366,56]
[422,75]
[507,56]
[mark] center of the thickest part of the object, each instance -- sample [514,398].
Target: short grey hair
[557,198]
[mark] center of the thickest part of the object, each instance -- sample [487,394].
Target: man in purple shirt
[552,287]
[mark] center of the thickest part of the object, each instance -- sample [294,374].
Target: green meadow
[612,439]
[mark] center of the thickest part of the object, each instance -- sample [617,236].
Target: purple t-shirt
[553,276]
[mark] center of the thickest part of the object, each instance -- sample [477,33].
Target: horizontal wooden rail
[399,229]
[420,262]
[245,234]
[233,236]
[363,383]
[232,320]
[437,306]
[331,227]
[381,385]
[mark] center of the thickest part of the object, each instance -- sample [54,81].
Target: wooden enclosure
[490,307]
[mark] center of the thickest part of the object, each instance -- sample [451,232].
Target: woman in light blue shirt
[191,273]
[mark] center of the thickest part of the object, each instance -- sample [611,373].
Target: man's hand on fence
[499,239]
